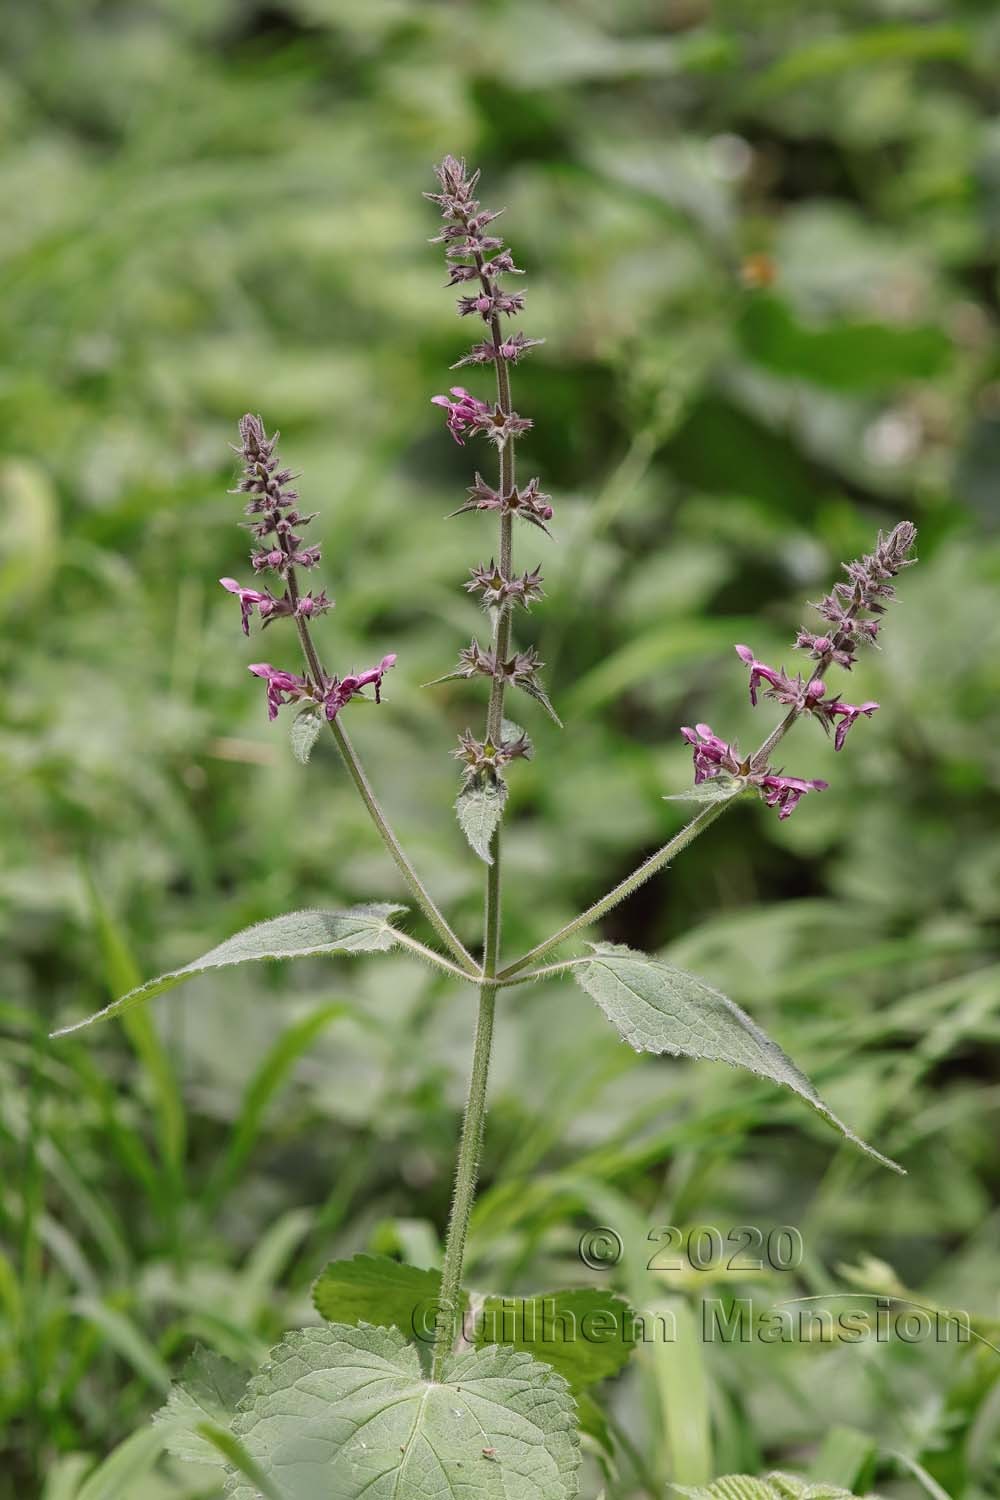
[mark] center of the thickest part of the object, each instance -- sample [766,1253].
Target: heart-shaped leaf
[375,1289]
[585,1333]
[657,1008]
[299,934]
[346,1411]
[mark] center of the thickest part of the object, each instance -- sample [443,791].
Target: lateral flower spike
[854,610]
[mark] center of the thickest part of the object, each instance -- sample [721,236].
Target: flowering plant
[413,1386]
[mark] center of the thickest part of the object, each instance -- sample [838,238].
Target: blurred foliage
[761,242]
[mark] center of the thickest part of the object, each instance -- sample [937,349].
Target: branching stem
[378,817]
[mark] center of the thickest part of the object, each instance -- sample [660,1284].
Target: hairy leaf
[299,934]
[584,1333]
[480,807]
[374,1289]
[208,1391]
[345,1411]
[534,689]
[305,731]
[774,1486]
[657,1008]
[716,789]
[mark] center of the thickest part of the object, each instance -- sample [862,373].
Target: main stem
[471,1140]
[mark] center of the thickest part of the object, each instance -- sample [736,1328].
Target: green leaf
[843,356]
[585,1333]
[305,731]
[118,1476]
[208,1391]
[657,1008]
[534,689]
[679,1377]
[219,1440]
[126,1338]
[65,1476]
[716,789]
[775,1486]
[374,1289]
[345,1411]
[732,1487]
[299,934]
[260,1091]
[846,1456]
[854,49]
[480,807]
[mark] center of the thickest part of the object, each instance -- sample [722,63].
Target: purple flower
[254,598]
[341,690]
[711,755]
[714,757]
[785,792]
[463,412]
[832,710]
[791,691]
[282,687]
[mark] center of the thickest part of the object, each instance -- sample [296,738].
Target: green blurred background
[761,247]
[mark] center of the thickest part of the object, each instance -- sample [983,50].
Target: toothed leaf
[305,732]
[299,934]
[480,807]
[346,1411]
[657,1008]
[208,1391]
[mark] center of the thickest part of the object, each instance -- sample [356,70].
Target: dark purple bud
[502,265]
[853,609]
[310,605]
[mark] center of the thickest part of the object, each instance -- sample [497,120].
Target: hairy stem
[471,1141]
[432,956]
[680,840]
[357,775]
[625,887]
